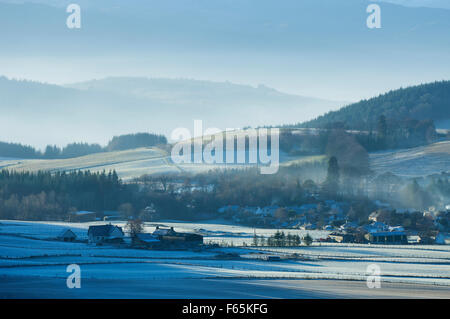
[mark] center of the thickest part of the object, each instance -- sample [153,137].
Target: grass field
[29,254]
[414,162]
[129,164]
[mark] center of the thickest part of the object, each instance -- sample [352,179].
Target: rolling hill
[317,48]
[39,114]
[414,162]
[427,101]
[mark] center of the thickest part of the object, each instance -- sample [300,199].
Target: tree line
[280,239]
[117,143]
[52,196]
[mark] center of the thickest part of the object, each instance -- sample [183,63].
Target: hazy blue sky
[317,48]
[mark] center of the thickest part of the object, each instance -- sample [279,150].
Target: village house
[394,237]
[105,234]
[349,226]
[376,227]
[414,239]
[168,236]
[146,240]
[67,235]
[341,237]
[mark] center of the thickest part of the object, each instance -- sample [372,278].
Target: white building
[105,234]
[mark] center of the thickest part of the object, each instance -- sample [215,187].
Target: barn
[168,236]
[395,237]
[67,235]
[105,234]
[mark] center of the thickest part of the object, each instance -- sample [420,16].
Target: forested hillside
[130,141]
[426,101]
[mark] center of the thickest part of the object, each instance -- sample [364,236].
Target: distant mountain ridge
[318,46]
[94,111]
[193,91]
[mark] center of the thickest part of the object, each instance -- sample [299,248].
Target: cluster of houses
[96,234]
[334,218]
[374,233]
[167,237]
[331,215]
[379,233]
[160,238]
[300,217]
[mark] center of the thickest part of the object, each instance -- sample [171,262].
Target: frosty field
[128,164]
[419,161]
[414,162]
[31,259]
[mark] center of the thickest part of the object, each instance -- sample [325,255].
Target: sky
[339,59]
[313,48]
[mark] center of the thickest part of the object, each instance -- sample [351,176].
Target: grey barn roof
[67,232]
[148,238]
[102,230]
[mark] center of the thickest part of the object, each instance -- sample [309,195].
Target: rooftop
[102,230]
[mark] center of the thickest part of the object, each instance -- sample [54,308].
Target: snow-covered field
[419,161]
[129,164]
[27,250]
[414,162]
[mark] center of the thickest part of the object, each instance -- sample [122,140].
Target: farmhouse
[341,237]
[349,226]
[146,240]
[67,235]
[414,239]
[376,227]
[394,237]
[168,236]
[105,234]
